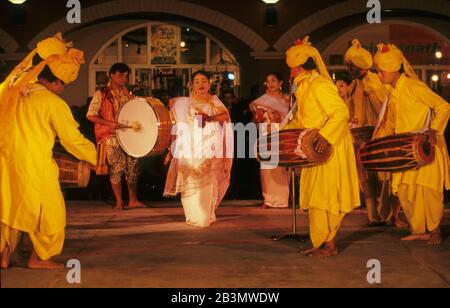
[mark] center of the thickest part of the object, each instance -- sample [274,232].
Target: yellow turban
[358,56]
[390,59]
[52,46]
[66,67]
[300,53]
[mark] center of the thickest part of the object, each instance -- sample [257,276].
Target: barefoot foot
[36,263]
[323,253]
[306,252]
[417,237]
[136,205]
[435,238]
[5,258]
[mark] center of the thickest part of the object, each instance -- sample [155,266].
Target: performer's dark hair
[119,67]
[46,73]
[343,76]
[309,64]
[277,76]
[201,72]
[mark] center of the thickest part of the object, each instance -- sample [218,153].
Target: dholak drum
[362,134]
[295,148]
[150,127]
[72,172]
[396,152]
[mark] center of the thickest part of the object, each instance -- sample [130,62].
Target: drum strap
[382,116]
[294,109]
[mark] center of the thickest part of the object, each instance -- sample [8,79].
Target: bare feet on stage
[398,223]
[36,263]
[435,237]
[5,258]
[306,252]
[329,250]
[136,205]
[119,206]
[417,237]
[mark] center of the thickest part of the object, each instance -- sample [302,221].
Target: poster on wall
[164,44]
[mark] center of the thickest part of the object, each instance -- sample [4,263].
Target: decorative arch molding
[352,7]
[175,7]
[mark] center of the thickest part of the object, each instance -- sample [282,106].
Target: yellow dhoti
[45,246]
[423,207]
[10,237]
[323,226]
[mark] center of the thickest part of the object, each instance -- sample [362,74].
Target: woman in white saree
[202,153]
[272,108]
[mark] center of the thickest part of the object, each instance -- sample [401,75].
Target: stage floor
[155,248]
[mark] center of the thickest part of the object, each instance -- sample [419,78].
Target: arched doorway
[162,57]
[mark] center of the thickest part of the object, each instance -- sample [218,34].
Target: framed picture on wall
[164,44]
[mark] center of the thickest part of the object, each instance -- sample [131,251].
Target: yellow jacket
[332,186]
[368,96]
[30,194]
[408,108]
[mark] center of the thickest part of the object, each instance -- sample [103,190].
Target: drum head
[140,140]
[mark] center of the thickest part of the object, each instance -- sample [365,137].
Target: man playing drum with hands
[328,191]
[103,111]
[414,107]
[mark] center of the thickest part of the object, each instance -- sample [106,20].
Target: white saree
[274,182]
[202,159]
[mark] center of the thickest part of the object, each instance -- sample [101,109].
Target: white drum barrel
[150,124]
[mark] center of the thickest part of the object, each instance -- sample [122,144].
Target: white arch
[7,43]
[175,7]
[351,7]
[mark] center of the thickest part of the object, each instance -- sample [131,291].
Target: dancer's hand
[432,136]
[204,118]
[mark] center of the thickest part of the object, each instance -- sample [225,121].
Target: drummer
[367,95]
[328,191]
[102,111]
[32,115]
[415,107]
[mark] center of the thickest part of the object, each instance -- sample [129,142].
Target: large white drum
[149,129]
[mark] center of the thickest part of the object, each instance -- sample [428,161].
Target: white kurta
[198,170]
[274,182]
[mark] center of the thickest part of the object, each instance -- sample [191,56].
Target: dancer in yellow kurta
[328,191]
[32,114]
[415,107]
[368,95]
